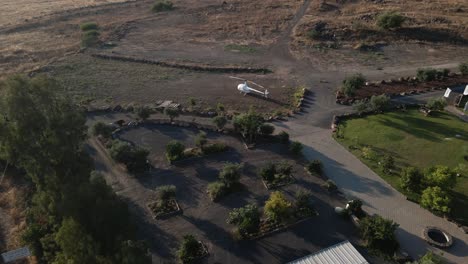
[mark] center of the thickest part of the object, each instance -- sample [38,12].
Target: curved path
[356,180]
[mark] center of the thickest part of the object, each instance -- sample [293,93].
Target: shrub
[89,38]
[429,258]
[192,102]
[390,20]
[387,163]
[379,103]
[435,199]
[220,121]
[230,174]
[266,129]
[216,147]
[284,168]
[314,34]
[303,199]
[268,172]
[352,83]
[361,106]
[379,234]
[315,167]
[102,129]
[463,67]
[296,148]
[120,151]
[277,208]
[283,137]
[143,112]
[166,192]
[436,104]
[88,26]
[427,75]
[355,207]
[162,5]
[441,176]
[174,150]
[137,162]
[201,139]
[217,190]
[171,113]
[246,218]
[189,250]
[368,153]
[330,186]
[220,107]
[411,179]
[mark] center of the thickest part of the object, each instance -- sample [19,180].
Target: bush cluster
[390,20]
[229,178]
[90,34]
[275,173]
[427,75]
[315,167]
[352,83]
[162,5]
[134,158]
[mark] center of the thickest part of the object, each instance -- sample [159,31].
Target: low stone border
[341,99]
[282,227]
[272,187]
[429,240]
[186,66]
[166,215]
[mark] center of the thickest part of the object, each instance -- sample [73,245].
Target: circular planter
[437,237]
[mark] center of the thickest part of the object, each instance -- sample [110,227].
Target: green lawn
[413,140]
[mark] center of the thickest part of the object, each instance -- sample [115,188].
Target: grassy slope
[413,140]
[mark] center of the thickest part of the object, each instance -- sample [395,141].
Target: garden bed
[268,227]
[280,183]
[170,209]
[401,87]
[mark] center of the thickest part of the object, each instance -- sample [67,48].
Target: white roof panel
[342,253]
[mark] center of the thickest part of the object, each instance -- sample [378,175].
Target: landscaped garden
[424,157]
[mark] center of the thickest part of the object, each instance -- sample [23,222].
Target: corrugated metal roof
[341,253]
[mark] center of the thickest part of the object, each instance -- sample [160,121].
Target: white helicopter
[245,89]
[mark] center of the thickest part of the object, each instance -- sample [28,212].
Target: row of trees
[73,216]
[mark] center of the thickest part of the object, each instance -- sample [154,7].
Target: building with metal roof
[341,253]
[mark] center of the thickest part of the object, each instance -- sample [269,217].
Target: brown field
[268,33]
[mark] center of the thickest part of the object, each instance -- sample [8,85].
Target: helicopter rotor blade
[237,78]
[256,84]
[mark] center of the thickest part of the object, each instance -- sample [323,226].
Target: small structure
[341,253]
[14,255]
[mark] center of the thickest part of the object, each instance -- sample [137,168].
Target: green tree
[436,104]
[277,208]
[76,245]
[102,129]
[390,20]
[174,150]
[246,218]
[248,124]
[352,83]
[361,106]
[379,234]
[379,103]
[171,113]
[230,174]
[120,151]
[220,121]
[463,67]
[296,148]
[143,112]
[411,179]
[435,199]
[441,176]
[429,258]
[189,250]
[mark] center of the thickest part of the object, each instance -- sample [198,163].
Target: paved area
[356,180]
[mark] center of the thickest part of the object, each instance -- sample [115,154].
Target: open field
[207,219]
[413,140]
